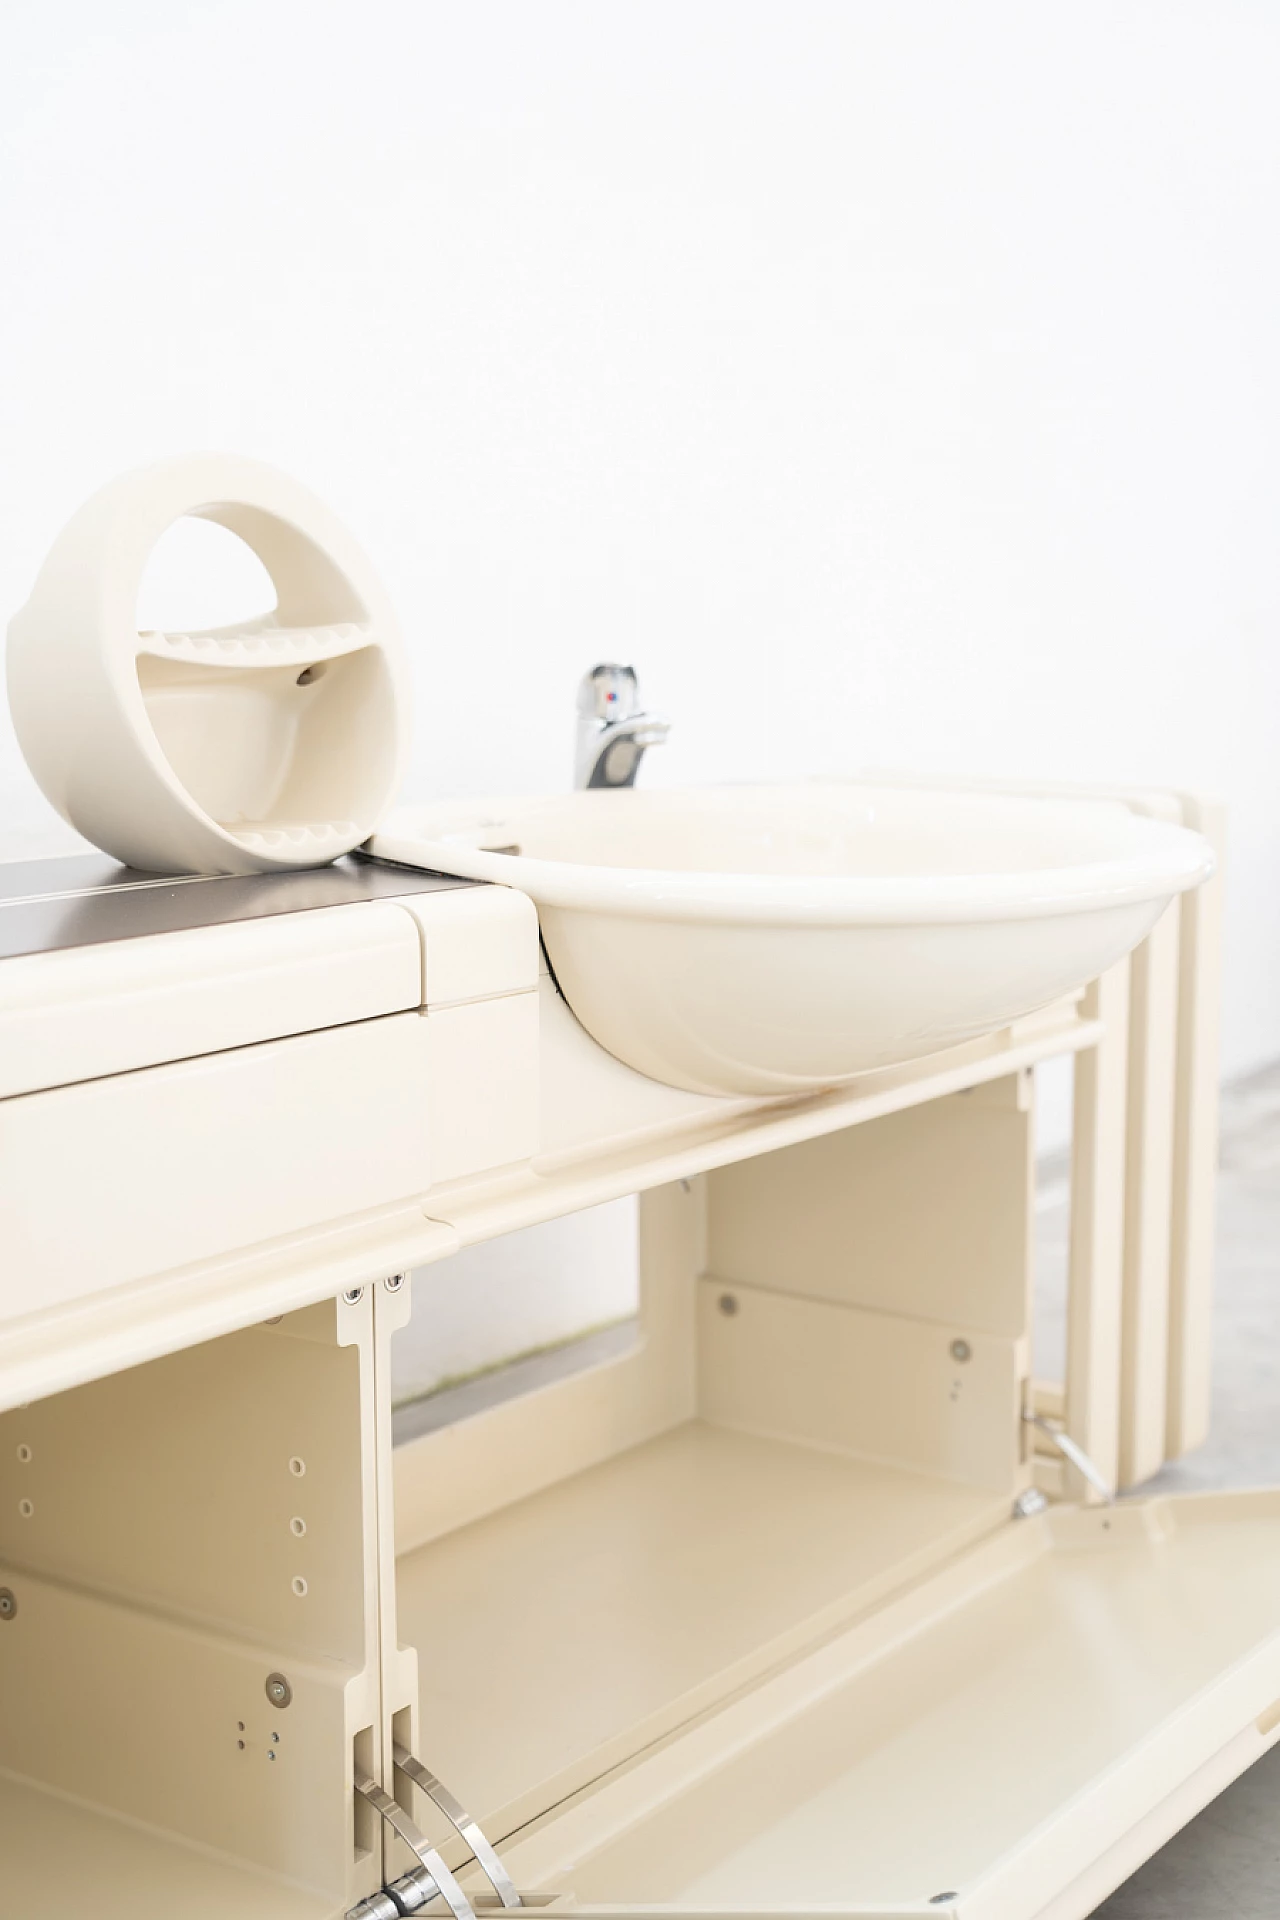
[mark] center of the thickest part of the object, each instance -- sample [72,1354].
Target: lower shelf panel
[566,1630]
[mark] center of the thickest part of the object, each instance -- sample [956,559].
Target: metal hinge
[432,1878]
[378,1906]
[1075,1454]
[485,1854]
[442,1881]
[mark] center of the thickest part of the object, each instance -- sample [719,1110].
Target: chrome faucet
[613,728]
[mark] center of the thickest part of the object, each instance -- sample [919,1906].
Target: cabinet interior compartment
[188,1631]
[743,1622]
[824,1404]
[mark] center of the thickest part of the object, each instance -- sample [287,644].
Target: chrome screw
[394,1282]
[961,1351]
[278,1690]
[353,1296]
[8,1604]
[1029,1503]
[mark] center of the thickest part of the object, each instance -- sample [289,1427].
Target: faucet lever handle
[609,692]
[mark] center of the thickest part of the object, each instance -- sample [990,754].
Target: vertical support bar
[1195,1152]
[1095,1284]
[369,1745]
[1153,1039]
[398,1717]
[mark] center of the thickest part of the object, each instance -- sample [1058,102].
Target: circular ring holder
[271,744]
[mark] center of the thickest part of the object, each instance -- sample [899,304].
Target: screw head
[353,1296]
[961,1351]
[941,1899]
[394,1282]
[8,1603]
[728,1304]
[278,1690]
[1029,1503]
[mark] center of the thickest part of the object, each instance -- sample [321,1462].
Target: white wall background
[896,382]
[540,1287]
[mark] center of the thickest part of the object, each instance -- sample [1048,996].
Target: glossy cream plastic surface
[87,1012]
[749,1593]
[772,940]
[268,745]
[1018,1733]
[207,1141]
[172,1537]
[773,1666]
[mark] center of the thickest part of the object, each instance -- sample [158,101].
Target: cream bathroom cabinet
[766,1614]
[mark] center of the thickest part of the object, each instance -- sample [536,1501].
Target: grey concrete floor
[1226,1864]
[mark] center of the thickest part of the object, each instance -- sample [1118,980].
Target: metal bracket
[399,1821]
[457,1816]
[1077,1456]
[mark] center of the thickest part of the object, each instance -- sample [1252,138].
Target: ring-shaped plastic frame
[274,744]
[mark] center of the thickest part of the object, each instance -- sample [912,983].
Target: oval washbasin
[774,940]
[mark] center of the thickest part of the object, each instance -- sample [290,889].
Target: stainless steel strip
[486,1857]
[96,903]
[58,876]
[399,1821]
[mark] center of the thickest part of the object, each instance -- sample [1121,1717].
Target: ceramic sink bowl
[775,940]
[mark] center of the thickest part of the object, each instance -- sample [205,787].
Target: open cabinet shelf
[566,1631]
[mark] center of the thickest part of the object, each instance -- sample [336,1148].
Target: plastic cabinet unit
[794,1606]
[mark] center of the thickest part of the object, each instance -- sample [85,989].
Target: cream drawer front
[116,1180]
[1017,1734]
[85,1012]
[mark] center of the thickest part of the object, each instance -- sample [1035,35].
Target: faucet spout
[614,730]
